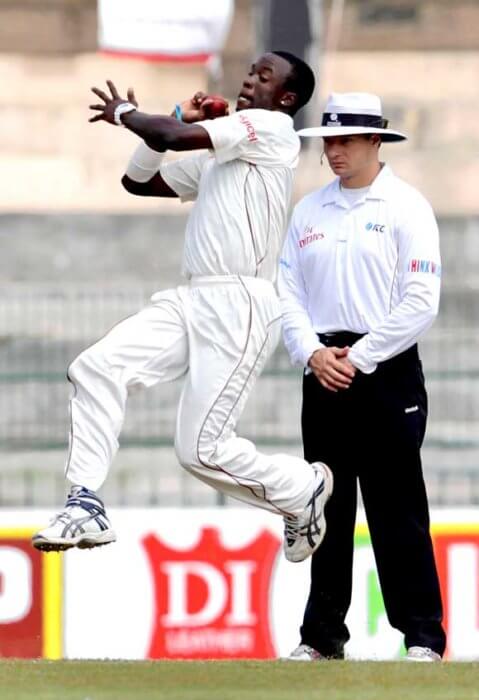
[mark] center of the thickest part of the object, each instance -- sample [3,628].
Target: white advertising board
[211,583]
[180,30]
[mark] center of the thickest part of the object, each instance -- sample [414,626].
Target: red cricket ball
[214,106]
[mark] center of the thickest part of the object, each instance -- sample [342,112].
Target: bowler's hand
[192,110]
[332,368]
[107,110]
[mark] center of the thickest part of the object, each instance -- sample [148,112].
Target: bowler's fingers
[100,109]
[113,90]
[198,98]
[130,94]
[102,95]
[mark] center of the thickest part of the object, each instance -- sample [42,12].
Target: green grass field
[236,680]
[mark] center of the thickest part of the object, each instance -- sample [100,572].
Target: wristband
[122,108]
[144,163]
[178,113]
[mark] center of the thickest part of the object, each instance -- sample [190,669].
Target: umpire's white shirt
[242,190]
[371,268]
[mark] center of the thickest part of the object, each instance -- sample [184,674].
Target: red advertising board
[212,601]
[30,598]
[457,555]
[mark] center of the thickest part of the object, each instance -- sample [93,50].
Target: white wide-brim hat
[350,113]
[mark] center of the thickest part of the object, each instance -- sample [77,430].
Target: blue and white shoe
[83,523]
[304,533]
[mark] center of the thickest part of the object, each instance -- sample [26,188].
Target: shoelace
[87,500]
[62,517]
[293,528]
[75,500]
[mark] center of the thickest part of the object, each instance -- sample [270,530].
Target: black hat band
[334,119]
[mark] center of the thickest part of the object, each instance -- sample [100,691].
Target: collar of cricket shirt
[378,189]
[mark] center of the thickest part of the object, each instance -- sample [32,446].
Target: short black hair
[301,80]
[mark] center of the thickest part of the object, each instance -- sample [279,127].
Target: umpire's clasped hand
[332,368]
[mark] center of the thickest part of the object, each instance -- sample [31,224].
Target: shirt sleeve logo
[427,266]
[249,127]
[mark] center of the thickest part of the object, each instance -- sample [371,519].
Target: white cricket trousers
[217,332]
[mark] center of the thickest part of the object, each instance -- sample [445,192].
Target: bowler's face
[349,155]
[264,85]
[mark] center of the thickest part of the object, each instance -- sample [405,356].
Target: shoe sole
[328,490]
[60,544]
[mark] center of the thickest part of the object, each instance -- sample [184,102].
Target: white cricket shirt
[373,267]
[242,189]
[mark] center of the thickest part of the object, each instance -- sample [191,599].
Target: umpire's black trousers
[372,432]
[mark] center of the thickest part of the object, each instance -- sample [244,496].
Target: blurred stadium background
[79,253]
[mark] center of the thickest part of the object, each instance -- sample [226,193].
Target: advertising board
[206,583]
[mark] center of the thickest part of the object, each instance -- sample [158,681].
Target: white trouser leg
[149,347]
[233,329]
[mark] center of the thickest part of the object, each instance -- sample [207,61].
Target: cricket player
[217,330]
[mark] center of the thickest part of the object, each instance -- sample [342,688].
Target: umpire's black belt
[339,339]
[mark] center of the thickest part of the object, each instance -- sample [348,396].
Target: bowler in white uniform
[217,330]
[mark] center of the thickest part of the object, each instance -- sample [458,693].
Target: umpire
[359,283]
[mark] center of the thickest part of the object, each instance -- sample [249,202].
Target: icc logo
[375,227]
[212,602]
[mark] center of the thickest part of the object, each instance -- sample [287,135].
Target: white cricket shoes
[305,653]
[423,654]
[83,523]
[304,533]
